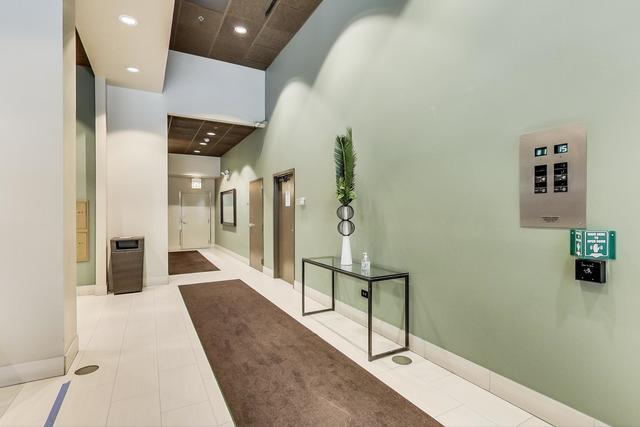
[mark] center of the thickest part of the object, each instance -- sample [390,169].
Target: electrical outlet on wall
[364,293]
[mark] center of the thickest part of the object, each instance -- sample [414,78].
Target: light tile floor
[153,370]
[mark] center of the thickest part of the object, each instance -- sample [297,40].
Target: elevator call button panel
[553,178]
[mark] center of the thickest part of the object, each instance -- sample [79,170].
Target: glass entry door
[195,220]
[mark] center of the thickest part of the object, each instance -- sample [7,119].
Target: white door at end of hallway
[195,213]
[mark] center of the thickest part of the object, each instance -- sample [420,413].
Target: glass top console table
[375,275]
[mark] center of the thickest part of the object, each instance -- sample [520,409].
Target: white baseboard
[31,371]
[100,289]
[229,252]
[535,403]
[85,290]
[71,353]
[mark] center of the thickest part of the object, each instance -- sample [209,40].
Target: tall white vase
[346,259]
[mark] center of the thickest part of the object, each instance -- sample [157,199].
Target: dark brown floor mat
[189,262]
[275,372]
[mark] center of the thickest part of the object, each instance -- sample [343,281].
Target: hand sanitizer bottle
[366,263]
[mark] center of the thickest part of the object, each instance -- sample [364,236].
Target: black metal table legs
[370,354]
[333,294]
[370,286]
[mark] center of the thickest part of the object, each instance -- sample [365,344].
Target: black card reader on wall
[590,270]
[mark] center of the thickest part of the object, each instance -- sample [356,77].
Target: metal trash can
[126,264]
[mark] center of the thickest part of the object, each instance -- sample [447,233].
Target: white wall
[194,84]
[69,178]
[137,171]
[32,255]
[194,166]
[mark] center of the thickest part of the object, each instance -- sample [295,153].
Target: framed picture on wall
[228,207]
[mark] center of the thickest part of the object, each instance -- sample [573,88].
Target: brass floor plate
[85,370]
[401,360]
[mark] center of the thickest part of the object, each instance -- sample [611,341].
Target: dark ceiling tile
[174,27]
[185,135]
[218,128]
[286,18]
[192,40]
[272,38]
[216,5]
[190,14]
[228,51]
[241,130]
[228,29]
[253,64]
[197,28]
[214,36]
[253,10]
[306,5]
[184,122]
[81,54]
[261,54]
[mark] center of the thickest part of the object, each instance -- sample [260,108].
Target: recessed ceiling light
[206,140]
[196,151]
[211,133]
[240,29]
[133,69]
[128,20]
[203,143]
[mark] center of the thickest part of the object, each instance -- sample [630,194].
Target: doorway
[284,225]
[195,220]
[256,224]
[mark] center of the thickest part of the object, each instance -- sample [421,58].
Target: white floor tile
[175,353]
[140,411]
[534,422]
[198,415]
[137,374]
[85,406]
[481,401]
[7,395]
[107,362]
[151,360]
[181,387]
[463,417]
[33,403]
[425,397]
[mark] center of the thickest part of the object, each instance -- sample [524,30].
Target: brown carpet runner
[189,262]
[275,372]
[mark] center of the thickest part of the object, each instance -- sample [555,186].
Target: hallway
[153,370]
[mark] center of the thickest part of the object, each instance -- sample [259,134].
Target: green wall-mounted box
[593,244]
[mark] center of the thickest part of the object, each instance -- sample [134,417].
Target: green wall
[86,164]
[438,93]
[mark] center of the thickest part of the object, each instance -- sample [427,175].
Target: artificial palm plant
[345,158]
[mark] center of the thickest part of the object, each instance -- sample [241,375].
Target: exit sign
[593,244]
